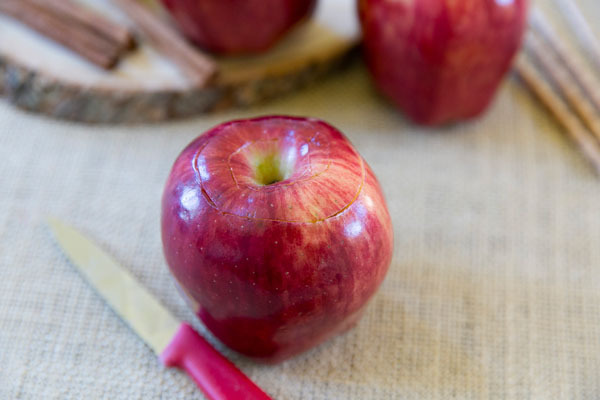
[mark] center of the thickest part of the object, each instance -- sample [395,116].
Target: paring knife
[176,343]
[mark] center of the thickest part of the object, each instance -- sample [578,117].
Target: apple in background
[277,231]
[238,26]
[441,61]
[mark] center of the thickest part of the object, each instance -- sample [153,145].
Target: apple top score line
[246,174]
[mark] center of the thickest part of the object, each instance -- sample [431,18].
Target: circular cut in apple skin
[278,231]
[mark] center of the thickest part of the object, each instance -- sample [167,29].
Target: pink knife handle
[218,378]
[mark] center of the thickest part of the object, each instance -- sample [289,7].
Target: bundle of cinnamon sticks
[103,41]
[97,39]
[566,88]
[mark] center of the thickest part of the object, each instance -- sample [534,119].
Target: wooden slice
[39,75]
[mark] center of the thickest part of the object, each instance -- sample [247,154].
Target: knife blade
[176,343]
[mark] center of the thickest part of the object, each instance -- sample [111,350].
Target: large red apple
[238,26]
[441,61]
[277,230]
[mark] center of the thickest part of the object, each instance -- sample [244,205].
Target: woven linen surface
[493,292]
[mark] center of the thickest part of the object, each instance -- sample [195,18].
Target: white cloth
[494,290]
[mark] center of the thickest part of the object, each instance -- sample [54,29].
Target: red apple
[441,61]
[277,230]
[238,26]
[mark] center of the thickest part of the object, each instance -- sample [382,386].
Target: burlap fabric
[494,289]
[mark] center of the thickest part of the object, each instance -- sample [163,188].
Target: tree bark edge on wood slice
[33,91]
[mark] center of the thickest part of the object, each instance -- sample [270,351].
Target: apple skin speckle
[269,301]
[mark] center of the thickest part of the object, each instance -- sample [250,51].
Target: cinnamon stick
[587,82]
[116,33]
[577,132]
[562,78]
[580,26]
[198,67]
[93,48]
